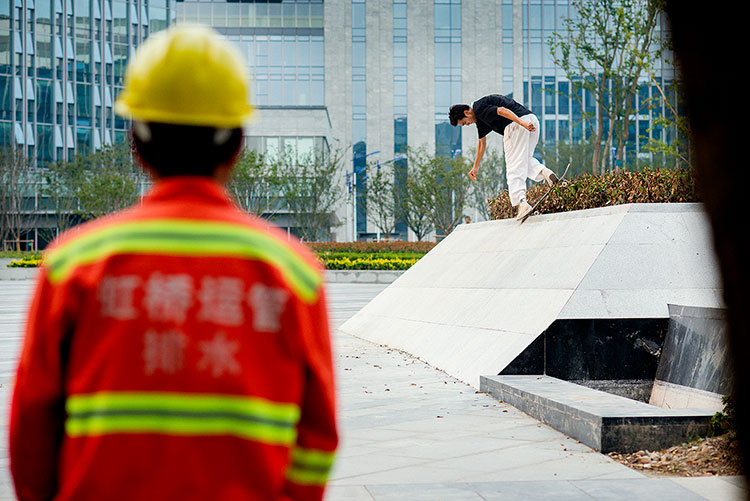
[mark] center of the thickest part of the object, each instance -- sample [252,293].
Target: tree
[440,189]
[559,154]
[606,48]
[409,203]
[490,181]
[678,150]
[311,190]
[17,184]
[255,184]
[109,181]
[62,180]
[381,198]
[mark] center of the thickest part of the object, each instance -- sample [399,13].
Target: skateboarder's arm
[506,113]
[481,146]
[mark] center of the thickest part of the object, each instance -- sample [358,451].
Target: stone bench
[604,422]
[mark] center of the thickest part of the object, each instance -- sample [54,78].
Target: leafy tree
[605,49]
[255,184]
[559,154]
[410,207]
[381,198]
[440,188]
[60,189]
[109,181]
[311,190]
[490,181]
[676,152]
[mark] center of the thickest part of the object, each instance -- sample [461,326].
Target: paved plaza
[409,431]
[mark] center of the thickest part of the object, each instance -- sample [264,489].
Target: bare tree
[17,191]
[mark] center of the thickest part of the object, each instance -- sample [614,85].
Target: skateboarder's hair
[456,113]
[184,150]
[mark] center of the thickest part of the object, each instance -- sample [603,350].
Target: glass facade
[300,146]
[400,99]
[547,90]
[282,43]
[62,65]
[447,74]
[506,16]
[359,111]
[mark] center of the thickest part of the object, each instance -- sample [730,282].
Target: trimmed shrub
[392,246]
[590,191]
[369,262]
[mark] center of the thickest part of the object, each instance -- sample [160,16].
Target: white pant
[519,145]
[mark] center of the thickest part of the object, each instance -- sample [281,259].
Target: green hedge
[17,254]
[370,255]
[369,262]
[589,191]
[388,247]
[386,255]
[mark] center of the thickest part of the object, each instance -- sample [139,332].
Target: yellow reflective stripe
[185,238]
[310,466]
[182,414]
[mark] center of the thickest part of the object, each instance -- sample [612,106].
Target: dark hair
[456,113]
[185,150]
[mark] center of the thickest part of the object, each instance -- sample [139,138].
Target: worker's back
[178,349]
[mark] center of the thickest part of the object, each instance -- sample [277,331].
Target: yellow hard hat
[186,75]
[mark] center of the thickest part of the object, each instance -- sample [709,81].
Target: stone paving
[409,431]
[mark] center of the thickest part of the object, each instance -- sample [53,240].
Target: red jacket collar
[195,187]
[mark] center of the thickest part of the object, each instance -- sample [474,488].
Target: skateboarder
[520,129]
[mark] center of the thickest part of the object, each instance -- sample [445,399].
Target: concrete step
[605,422]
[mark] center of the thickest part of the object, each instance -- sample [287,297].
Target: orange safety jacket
[179,349]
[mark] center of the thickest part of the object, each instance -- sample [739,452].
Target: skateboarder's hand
[473,173]
[529,127]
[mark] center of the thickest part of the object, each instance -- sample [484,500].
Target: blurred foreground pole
[710,41]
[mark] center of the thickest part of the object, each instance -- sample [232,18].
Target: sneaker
[523,209]
[549,176]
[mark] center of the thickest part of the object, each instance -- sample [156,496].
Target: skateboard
[544,197]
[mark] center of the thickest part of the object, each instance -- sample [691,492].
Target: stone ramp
[486,292]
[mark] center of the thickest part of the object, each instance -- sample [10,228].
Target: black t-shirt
[488,120]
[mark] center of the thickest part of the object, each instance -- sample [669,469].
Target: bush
[17,254]
[32,261]
[370,255]
[723,422]
[369,262]
[590,191]
[392,246]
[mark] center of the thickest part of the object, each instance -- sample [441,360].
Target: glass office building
[62,64]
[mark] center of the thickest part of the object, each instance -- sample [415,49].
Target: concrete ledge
[18,273]
[331,276]
[604,422]
[361,276]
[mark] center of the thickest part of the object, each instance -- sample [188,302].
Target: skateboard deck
[544,197]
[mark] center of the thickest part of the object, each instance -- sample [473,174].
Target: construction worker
[178,349]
